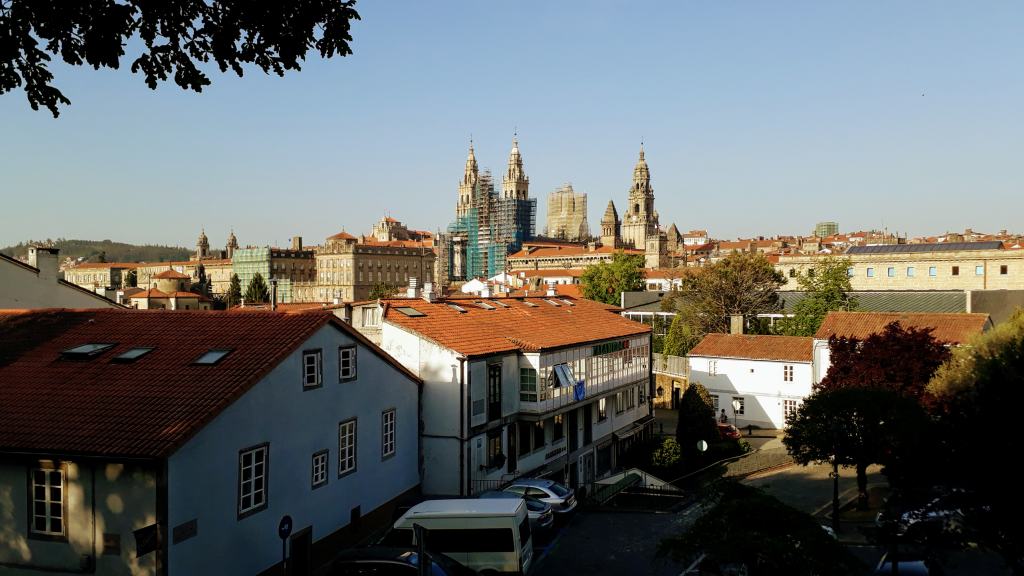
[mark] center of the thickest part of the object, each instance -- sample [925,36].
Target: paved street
[612,543]
[809,488]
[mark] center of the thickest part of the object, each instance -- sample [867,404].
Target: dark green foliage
[826,290]
[696,420]
[744,284]
[857,426]
[382,290]
[177,39]
[683,335]
[606,281]
[234,293]
[257,291]
[748,527]
[91,250]
[131,279]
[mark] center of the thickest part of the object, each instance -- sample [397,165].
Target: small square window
[739,411]
[871,272]
[346,363]
[849,272]
[910,271]
[891,272]
[1002,270]
[933,271]
[979,270]
[955,271]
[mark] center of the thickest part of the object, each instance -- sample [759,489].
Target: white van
[487,535]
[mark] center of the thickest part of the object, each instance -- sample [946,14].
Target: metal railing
[674,365]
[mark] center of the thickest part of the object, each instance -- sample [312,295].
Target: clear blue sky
[758,118]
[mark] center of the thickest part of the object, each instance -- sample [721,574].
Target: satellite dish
[702,445]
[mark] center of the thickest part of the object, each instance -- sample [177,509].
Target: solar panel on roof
[914,248]
[410,311]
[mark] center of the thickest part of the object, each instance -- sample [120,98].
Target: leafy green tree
[131,278]
[740,283]
[826,288]
[682,335]
[666,455]
[382,290]
[696,419]
[750,532]
[177,37]
[977,391]
[605,281]
[855,426]
[257,291]
[233,297]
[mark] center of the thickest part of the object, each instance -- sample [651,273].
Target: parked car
[931,517]
[540,512]
[382,560]
[907,566]
[728,431]
[561,499]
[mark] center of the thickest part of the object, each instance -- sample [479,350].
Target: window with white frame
[346,362]
[741,404]
[620,404]
[312,375]
[712,367]
[346,447]
[787,373]
[320,468]
[714,401]
[387,431]
[789,407]
[48,498]
[602,409]
[527,385]
[252,479]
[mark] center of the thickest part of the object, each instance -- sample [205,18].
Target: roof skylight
[499,303]
[552,302]
[410,311]
[132,354]
[212,357]
[566,302]
[530,304]
[86,350]
[484,305]
[457,308]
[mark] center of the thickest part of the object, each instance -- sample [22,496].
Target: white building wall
[759,382]
[101,498]
[203,474]
[21,288]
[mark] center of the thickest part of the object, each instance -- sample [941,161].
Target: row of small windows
[312,366]
[911,272]
[253,468]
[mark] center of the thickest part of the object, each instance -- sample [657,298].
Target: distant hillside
[104,251]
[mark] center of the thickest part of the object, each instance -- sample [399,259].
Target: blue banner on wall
[579,391]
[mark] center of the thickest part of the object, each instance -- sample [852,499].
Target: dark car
[540,512]
[728,431]
[388,561]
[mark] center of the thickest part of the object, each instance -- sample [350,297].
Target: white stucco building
[159,442]
[521,387]
[38,284]
[769,375]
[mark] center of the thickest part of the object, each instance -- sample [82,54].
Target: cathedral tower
[610,227]
[640,219]
[515,184]
[468,184]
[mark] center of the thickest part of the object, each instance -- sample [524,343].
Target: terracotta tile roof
[171,275]
[755,347]
[519,327]
[548,273]
[566,251]
[151,293]
[146,408]
[951,328]
[100,265]
[342,236]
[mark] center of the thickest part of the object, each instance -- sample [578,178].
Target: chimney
[296,242]
[428,291]
[551,288]
[273,294]
[413,289]
[736,324]
[46,260]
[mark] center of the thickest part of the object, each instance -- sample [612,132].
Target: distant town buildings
[283,266]
[38,284]
[567,215]
[823,229]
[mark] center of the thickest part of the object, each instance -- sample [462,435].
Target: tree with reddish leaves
[899,359]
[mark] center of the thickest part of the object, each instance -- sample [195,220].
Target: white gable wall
[759,382]
[203,474]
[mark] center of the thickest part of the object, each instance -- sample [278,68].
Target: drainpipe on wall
[463,468]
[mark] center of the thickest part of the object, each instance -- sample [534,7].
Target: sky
[758,118]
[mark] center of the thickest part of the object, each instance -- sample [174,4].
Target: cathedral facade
[638,229]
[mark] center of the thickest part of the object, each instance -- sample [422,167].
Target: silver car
[561,499]
[541,516]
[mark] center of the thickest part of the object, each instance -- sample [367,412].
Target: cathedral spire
[515,184]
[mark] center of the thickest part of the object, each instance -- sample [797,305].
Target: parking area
[599,542]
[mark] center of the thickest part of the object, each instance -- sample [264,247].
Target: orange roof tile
[146,408]
[756,347]
[519,327]
[552,272]
[567,251]
[342,236]
[171,274]
[948,327]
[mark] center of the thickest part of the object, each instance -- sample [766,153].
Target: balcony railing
[602,375]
